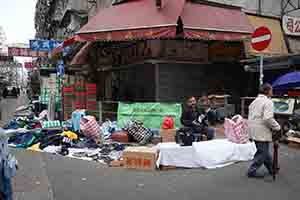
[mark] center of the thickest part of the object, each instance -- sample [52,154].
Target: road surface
[43,176]
[9,105]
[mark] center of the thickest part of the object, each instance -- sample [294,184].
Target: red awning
[207,22]
[135,19]
[66,43]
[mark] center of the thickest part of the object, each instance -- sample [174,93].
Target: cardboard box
[294,142]
[116,163]
[168,135]
[142,158]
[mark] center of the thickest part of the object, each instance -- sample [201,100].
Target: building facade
[159,80]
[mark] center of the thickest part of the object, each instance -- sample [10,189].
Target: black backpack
[184,137]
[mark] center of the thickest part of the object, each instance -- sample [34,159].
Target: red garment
[168,123]
[37,125]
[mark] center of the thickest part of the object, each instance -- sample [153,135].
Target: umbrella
[287,81]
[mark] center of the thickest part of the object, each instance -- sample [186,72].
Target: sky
[17,21]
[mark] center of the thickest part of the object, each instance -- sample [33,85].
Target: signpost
[261,39]
[44,45]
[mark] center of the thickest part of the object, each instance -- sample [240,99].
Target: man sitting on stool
[191,118]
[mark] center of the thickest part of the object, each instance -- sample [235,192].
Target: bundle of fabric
[25,139]
[108,128]
[43,115]
[139,132]
[236,129]
[90,128]
[22,122]
[51,124]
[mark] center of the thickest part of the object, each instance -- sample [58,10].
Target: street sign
[60,68]
[44,45]
[261,38]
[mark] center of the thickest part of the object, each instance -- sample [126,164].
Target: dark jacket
[188,116]
[210,116]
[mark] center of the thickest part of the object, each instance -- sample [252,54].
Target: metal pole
[261,70]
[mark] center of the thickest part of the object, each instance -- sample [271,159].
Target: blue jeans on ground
[6,187]
[261,157]
[210,133]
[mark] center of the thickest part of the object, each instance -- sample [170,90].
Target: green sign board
[151,114]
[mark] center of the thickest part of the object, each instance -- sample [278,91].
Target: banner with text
[26,52]
[151,114]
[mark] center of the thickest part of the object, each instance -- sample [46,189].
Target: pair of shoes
[255,175]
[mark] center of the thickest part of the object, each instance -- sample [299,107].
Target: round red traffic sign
[261,38]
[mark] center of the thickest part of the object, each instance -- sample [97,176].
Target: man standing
[191,118]
[261,125]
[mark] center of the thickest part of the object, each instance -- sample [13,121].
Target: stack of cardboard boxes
[144,158]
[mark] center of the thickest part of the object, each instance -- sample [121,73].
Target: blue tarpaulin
[287,81]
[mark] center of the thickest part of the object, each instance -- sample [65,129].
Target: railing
[108,110]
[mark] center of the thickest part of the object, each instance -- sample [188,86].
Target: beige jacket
[261,119]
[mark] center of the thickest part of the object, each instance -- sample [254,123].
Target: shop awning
[135,19]
[277,46]
[65,43]
[207,22]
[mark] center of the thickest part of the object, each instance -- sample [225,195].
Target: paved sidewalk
[45,176]
[31,182]
[8,107]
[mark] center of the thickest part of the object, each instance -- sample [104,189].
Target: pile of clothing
[29,122]
[80,137]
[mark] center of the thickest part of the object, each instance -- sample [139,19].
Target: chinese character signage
[291,25]
[60,68]
[26,52]
[44,45]
[28,65]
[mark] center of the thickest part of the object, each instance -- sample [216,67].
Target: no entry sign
[261,38]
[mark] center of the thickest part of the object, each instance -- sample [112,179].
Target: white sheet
[172,154]
[208,154]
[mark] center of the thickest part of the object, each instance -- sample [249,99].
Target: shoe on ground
[256,175]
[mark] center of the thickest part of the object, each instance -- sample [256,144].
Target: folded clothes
[85,143]
[70,134]
[54,140]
